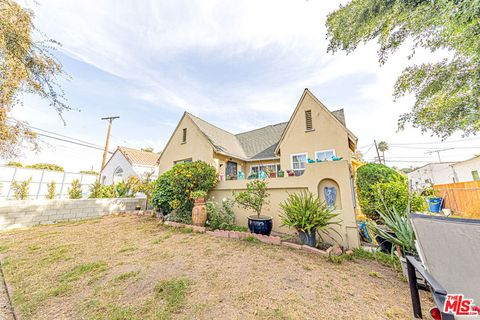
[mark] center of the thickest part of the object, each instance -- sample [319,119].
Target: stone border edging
[239,235]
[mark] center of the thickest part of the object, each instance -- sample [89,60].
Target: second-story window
[308,120]
[184,135]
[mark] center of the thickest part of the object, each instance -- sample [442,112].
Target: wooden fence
[463,198]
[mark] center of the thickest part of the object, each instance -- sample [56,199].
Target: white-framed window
[299,162]
[325,154]
[273,169]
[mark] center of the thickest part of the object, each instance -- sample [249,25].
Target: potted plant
[308,215]
[281,174]
[199,211]
[254,198]
[434,202]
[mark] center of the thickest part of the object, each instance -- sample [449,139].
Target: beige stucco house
[312,132]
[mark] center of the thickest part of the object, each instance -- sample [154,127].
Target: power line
[366,152]
[437,142]
[64,136]
[63,139]
[438,151]
[57,134]
[69,141]
[423,148]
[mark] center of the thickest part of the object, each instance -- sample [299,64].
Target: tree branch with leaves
[26,66]
[447,93]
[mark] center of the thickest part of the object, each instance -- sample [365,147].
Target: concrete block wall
[26,213]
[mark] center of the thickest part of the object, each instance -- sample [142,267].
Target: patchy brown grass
[128,267]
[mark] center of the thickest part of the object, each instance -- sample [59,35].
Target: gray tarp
[450,251]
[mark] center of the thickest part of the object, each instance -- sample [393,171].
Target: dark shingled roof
[261,143]
[256,144]
[251,145]
[340,115]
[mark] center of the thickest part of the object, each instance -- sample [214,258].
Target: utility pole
[110,120]
[378,153]
[438,152]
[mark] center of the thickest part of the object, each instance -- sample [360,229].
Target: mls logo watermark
[458,305]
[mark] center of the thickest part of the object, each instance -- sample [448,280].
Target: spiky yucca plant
[305,212]
[399,224]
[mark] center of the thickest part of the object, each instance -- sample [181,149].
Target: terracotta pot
[199,213]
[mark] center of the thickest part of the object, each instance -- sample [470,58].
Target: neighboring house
[312,132]
[445,172]
[431,174]
[126,162]
[467,170]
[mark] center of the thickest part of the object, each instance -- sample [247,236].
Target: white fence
[38,187]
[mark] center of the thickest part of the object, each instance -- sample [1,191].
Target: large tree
[26,66]
[448,92]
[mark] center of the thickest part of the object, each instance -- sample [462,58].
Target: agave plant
[400,225]
[306,213]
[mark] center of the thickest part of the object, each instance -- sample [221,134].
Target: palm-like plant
[400,225]
[382,147]
[306,213]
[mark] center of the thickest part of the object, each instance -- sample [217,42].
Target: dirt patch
[129,267]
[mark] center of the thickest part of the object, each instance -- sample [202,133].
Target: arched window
[118,175]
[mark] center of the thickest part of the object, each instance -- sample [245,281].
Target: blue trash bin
[435,204]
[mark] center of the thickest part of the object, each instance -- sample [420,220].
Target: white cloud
[239,64]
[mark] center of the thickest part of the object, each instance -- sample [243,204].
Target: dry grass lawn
[127,267]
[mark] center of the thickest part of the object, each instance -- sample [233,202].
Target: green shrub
[51,190]
[46,166]
[176,186]
[20,190]
[123,190]
[14,164]
[220,216]
[395,194]
[144,186]
[75,190]
[367,177]
[254,198]
[108,192]
[96,190]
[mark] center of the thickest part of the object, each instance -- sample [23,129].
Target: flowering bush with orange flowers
[178,184]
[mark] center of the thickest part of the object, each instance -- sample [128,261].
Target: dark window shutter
[308,120]
[184,137]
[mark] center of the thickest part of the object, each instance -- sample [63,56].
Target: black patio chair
[449,260]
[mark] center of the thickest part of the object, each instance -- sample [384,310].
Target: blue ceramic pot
[435,204]
[308,238]
[260,225]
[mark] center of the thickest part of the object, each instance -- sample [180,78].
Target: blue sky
[239,65]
